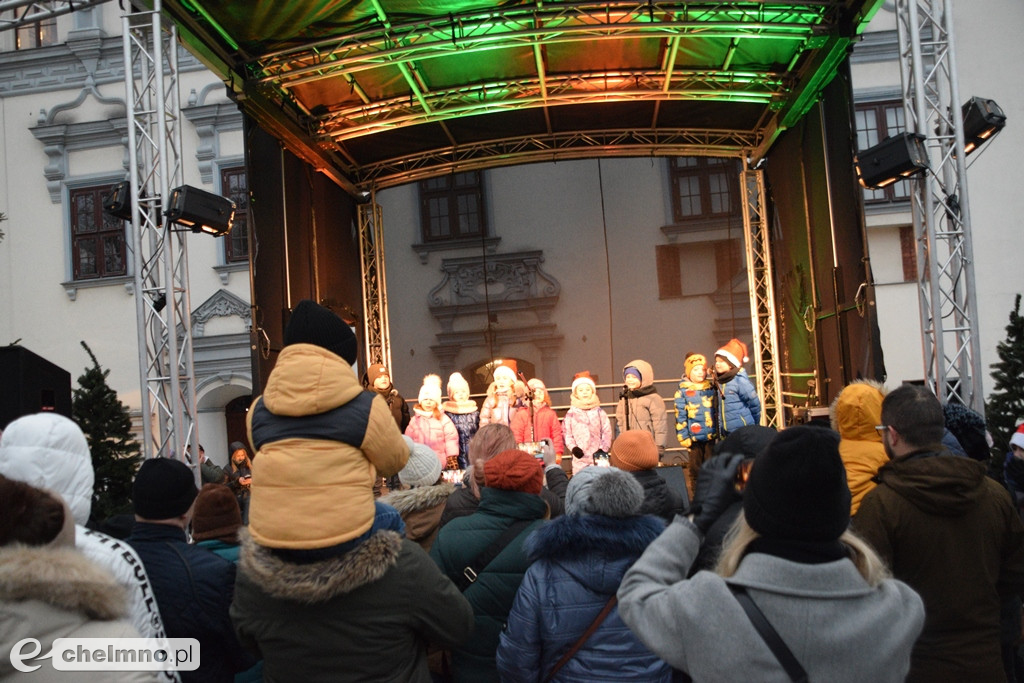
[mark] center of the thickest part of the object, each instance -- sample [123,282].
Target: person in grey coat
[824,590]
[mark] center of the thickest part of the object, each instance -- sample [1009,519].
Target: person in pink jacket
[586,427]
[545,420]
[431,427]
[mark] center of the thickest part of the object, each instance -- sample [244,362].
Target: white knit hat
[505,371]
[581,378]
[431,388]
[423,467]
[456,382]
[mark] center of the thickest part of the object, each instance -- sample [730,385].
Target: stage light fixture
[982,119]
[894,158]
[119,202]
[201,211]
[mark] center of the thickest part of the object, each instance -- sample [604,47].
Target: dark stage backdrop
[303,245]
[828,326]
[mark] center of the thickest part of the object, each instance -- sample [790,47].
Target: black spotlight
[119,202]
[201,211]
[982,119]
[894,158]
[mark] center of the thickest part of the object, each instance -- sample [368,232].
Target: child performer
[640,406]
[430,427]
[544,423]
[739,405]
[463,412]
[503,396]
[695,426]
[586,427]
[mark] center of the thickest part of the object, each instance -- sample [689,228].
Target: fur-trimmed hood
[318,581]
[62,578]
[595,549]
[419,498]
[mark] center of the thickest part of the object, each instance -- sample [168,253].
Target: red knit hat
[514,470]
[735,352]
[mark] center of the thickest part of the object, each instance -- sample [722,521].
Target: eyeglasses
[881,428]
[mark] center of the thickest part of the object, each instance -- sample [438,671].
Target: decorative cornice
[876,46]
[222,303]
[69,65]
[210,120]
[423,249]
[59,138]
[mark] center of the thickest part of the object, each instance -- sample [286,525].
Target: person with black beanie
[823,590]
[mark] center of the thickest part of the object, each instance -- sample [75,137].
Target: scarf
[592,402]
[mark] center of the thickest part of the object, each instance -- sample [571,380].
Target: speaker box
[31,384]
[675,477]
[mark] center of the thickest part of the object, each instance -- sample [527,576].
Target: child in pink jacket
[586,427]
[431,427]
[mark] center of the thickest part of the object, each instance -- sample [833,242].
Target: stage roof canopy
[381,92]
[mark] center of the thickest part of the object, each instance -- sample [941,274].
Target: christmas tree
[108,427]
[1006,403]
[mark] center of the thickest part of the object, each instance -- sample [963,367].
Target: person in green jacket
[513,481]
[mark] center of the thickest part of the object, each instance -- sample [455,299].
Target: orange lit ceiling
[381,92]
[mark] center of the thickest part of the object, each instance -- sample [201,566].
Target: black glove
[577,451]
[716,489]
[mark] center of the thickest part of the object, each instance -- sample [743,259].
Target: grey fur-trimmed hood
[62,578]
[318,581]
[418,498]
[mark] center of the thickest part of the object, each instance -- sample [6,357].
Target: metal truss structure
[942,219]
[25,12]
[375,297]
[756,231]
[530,148]
[160,256]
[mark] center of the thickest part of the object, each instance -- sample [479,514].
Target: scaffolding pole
[375,296]
[160,257]
[762,297]
[939,201]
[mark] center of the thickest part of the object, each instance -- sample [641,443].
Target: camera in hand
[534,448]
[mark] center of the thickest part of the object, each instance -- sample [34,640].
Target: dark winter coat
[491,595]
[365,616]
[421,510]
[578,563]
[952,534]
[740,405]
[659,498]
[462,502]
[193,589]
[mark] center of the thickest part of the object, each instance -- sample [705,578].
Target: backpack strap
[473,569]
[771,637]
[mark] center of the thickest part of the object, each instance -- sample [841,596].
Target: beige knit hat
[634,450]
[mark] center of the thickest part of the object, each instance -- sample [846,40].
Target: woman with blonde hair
[488,441]
[794,593]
